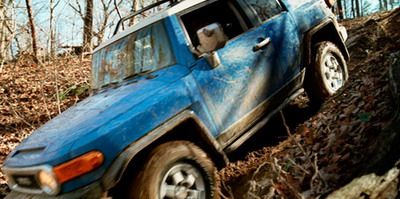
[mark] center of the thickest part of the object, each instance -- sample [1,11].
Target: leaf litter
[345,138]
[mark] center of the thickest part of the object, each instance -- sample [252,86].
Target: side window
[265,9]
[223,12]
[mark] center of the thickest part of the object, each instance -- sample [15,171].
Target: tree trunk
[88,26]
[107,11]
[52,34]
[340,9]
[135,7]
[353,11]
[358,8]
[385,4]
[392,4]
[3,31]
[32,26]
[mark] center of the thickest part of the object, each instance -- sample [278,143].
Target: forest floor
[310,155]
[354,134]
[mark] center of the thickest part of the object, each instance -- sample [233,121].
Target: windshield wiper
[110,84]
[144,74]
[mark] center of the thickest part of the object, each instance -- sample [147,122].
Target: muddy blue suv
[177,92]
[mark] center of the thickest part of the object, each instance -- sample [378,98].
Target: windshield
[147,49]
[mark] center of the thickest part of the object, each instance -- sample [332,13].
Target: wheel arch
[174,129]
[325,31]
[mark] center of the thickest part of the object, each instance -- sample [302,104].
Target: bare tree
[32,28]
[117,9]
[358,8]
[95,26]
[340,9]
[355,8]
[88,26]
[139,4]
[7,28]
[134,8]
[385,5]
[87,17]
[77,7]
[366,7]
[392,3]
[107,9]
[52,40]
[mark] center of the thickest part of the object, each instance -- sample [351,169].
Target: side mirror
[211,38]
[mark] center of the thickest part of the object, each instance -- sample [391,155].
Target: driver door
[257,61]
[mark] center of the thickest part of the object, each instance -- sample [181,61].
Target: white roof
[151,19]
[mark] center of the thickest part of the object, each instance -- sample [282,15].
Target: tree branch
[77,9]
[117,9]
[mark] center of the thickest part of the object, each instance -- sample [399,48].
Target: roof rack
[134,14]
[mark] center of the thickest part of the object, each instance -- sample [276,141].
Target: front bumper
[92,191]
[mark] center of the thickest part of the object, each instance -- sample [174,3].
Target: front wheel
[328,72]
[175,170]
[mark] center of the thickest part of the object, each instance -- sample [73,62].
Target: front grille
[26,181]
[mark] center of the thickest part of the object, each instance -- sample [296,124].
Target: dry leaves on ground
[32,94]
[333,146]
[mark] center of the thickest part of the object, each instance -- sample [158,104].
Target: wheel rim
[333,74]
[183,181]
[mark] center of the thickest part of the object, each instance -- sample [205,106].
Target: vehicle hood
[51,143]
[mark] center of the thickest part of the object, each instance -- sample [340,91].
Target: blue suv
[177,92]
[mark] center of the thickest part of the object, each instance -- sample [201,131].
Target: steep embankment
[355,133]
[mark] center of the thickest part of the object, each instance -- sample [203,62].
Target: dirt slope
[28,97]
[355,132]
[326,152]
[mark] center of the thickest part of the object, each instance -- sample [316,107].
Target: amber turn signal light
[78,166]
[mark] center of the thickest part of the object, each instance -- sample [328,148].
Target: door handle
[262,44]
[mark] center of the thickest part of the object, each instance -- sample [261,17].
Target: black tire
[324,77]
[181,161]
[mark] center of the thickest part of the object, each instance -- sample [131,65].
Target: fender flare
[116,170]
[335,36]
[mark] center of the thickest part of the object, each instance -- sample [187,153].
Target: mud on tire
[327,74]
[177,169]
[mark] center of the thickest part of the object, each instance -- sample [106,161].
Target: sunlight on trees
[76,26]
[359,8]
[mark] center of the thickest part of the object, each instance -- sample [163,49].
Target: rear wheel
[175,170]
[327,74]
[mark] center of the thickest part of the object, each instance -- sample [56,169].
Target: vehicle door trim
[241,127]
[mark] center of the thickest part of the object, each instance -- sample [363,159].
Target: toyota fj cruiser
[178,91]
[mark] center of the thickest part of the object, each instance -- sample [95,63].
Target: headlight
[32,180]
[47,179]
[48,182]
